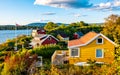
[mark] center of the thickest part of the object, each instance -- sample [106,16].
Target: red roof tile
[83,40]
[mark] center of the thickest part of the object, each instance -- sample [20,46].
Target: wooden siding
[89,52]
[51,41]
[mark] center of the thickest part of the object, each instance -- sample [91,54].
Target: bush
[45,51]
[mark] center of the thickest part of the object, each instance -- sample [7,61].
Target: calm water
[10,34]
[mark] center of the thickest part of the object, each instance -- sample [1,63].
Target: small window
[42,30]
[49,38]
[75,52]
[99,40]
[99,53]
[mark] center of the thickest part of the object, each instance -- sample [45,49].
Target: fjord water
[10,34]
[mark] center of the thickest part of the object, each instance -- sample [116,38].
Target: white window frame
[78,52]
[99,38]
[102,53]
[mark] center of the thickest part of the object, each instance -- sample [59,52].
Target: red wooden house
[38,32]
[77,35]
[43,40]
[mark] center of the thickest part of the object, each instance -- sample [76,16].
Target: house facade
[91,46]
[43,40]
[38,32]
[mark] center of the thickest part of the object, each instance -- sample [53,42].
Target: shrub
[45,51]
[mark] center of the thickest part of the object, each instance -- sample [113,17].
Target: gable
[49,36]
[87,40]
[105,43]
[49,40]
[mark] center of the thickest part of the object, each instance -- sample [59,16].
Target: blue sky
[63,11]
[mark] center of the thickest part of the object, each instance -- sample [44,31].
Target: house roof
[41,31]
[79,33]
[86,39]
[47,36]
[42,39]
[63,35]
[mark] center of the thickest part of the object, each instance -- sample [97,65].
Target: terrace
[60,57]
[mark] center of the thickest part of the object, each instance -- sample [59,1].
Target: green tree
[50,26]
[82,23]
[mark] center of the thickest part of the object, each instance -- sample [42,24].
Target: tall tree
[111,28]
[50,26]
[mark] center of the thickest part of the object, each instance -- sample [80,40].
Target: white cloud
[77,15]
[64,3]
[108,6]
[44,20]
[105,5]
[49,13]
[117,3]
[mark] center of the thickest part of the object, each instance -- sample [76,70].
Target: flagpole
[27,30]
[15,37]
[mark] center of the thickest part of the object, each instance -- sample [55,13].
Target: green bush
[45,51]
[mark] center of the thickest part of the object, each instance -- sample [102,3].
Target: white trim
[92,40]
[48,37]
[108,39]
[99,38]
[78,52]
[102,53]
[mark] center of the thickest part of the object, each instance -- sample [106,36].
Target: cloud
[105,5]
[78,15]
[48,13]
[65,3]
[43,20]
[117,3]
[108,6]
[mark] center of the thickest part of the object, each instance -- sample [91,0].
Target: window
[49,38]
[99,53]
[75,52]
[42,30]
[99,40]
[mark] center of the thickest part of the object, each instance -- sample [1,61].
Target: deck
[60,57]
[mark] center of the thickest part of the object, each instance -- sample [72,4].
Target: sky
[58,11]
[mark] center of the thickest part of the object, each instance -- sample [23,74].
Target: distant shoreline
[10,34]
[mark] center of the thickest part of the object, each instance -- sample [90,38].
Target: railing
[53,56]
[65,52]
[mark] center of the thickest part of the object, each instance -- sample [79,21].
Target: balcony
[60,57]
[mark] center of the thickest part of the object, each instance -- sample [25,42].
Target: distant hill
[36,24]
[42,24]
[96,23]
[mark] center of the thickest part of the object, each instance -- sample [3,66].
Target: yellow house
[93,46]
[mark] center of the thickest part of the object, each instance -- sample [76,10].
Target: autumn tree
[111,28]
[18,64]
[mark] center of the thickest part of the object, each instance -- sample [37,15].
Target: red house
[41,31]
[38,32]
[77,35]
[43,40]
